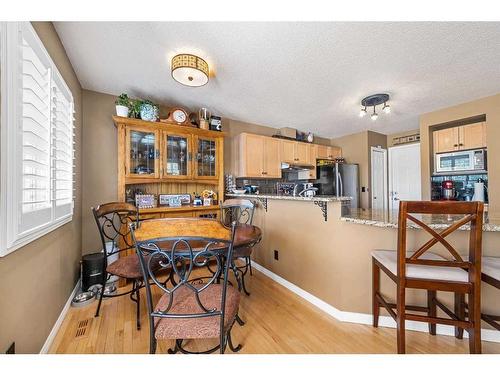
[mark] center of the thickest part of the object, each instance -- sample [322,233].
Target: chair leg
[375,291]
[105,277]
[431,305]
[400,321]
[460,313]
[250,266]
[138,302]
[475,319]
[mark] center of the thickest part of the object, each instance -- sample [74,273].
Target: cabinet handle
[157,154]
[460,144]
[455,145]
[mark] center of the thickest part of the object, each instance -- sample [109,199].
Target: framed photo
[145,200]
[174,201]
[163,199]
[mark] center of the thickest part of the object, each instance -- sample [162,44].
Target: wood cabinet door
[336,152]
[177,150]
[142,152]
[207,154]
[272,159]
[288,151]
[313,155]
[446,140]
[472,136]
[324,152]
[253,155]
[301,153]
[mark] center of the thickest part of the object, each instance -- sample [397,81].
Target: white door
[379,178]
[404,174]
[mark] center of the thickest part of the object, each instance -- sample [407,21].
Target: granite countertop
[322,198]
[389,219]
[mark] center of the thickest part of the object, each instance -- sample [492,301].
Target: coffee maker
[448,192]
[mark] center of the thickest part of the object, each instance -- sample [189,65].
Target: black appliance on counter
[338,179]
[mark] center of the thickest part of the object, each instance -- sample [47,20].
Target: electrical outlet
[276,255]
[12,349]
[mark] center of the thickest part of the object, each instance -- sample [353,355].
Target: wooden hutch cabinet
[163,158]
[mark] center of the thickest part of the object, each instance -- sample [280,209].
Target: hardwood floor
[277,321]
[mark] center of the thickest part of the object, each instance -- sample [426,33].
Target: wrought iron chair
[240,211]
[425,270]
[188,310]
[113,221]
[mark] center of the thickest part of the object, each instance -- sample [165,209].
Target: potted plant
[149,111]
[135,108]
[122,105]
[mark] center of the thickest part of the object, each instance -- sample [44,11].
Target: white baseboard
[361,318]
[59,321]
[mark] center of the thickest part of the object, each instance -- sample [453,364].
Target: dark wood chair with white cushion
[189,309]
[491,275]
[421,269]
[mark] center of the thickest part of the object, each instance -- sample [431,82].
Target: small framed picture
[145,200]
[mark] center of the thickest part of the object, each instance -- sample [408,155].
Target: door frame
[385,192]
[390,169]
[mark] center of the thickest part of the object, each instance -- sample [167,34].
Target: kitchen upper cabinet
[464,137]
[329,152]
[472,136]
[258,156]
[142,152]
[446,140]
[295,152]
[272,159]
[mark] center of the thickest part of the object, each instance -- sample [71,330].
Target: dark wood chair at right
[429,271]
[491,275]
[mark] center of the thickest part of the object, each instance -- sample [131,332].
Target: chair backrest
[182,246]
[470,213]
[113,222]
[237,210]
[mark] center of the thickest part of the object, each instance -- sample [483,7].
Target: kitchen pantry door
[404,174]
[379,178]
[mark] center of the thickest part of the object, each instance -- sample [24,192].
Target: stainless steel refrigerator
[339,179]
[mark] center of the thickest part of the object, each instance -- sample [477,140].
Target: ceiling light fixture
[190,70]
[373,101]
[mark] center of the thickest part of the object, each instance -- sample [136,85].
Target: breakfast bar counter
[321,198]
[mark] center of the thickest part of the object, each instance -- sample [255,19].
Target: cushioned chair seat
[491,267]
[388,258]
[185,303]
[127,267]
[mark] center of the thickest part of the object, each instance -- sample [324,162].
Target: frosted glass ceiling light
[190,70]
[374,115]
[362,113]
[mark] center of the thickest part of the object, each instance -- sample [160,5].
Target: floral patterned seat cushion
[185,303]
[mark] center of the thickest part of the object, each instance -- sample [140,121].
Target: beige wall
[490,107]
[36,280]
[99,169]
[356,148]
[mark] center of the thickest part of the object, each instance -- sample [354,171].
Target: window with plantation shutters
[36,191]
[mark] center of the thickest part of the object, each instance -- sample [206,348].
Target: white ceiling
[310,76]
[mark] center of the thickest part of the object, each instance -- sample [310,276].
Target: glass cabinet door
[206,162]
[177,156]
[142,153]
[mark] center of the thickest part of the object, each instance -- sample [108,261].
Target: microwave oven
[469,161]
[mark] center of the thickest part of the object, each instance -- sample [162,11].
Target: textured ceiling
[310,76]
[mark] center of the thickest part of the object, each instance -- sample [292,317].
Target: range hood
[296,167]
